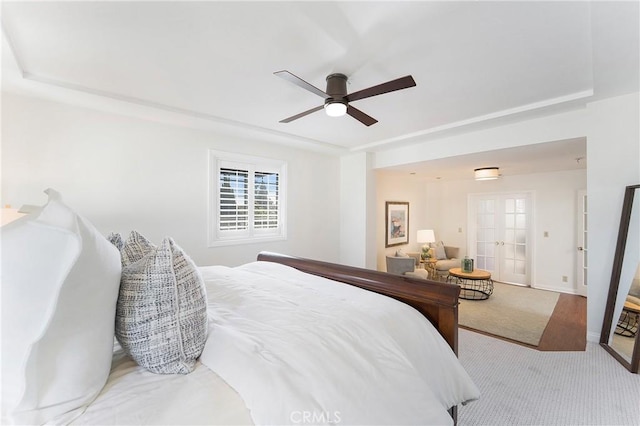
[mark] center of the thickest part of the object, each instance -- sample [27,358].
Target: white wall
[399,188]
[613,153]
[357,195]
[442,206]
[554,196]
[125,173]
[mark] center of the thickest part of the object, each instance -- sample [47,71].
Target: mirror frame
[623,231]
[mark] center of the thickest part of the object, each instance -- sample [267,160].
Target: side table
[430,266]
[476,285]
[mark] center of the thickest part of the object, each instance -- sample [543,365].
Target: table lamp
[426,236]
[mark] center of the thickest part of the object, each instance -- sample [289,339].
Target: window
[247,199]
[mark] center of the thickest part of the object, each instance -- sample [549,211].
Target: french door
[499,236]
[581,263]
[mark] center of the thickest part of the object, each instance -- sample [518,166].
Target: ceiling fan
[336,99]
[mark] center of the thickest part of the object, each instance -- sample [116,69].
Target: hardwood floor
[567,327]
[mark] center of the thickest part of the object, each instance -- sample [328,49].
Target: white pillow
[161,316]
[60,280]
[440,252]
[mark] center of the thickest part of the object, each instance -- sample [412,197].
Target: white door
[483,233]
[581,258]
[500,237]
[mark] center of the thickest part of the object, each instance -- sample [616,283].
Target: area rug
[514,312]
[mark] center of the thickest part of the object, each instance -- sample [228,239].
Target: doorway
[499,235]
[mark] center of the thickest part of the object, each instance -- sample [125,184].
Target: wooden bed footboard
[437,301]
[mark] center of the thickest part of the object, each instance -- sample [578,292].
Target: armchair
[406,265]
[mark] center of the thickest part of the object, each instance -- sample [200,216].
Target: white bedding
[286,347]
[135,396]
[298,347]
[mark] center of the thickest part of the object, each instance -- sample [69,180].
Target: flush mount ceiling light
[487,173]
[335,108]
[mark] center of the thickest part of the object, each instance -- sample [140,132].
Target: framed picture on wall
[397,223]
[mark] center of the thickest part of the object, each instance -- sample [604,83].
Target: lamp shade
[487,173]
[426,236]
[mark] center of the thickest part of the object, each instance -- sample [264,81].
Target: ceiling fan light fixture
[335,108]
[487,173]
[337,100]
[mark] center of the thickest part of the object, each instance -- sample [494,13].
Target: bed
[286,342]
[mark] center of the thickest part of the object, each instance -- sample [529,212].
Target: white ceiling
[547,157]
[474,62]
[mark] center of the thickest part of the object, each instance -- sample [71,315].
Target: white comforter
[301,349]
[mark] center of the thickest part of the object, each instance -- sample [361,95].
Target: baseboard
[544,287]
[556,289]
[593,337]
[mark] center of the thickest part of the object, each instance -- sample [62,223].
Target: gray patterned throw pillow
[161,318]
[135,248]
[116,239]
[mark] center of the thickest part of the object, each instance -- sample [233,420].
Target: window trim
[217,160]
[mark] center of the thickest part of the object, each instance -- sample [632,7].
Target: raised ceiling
[547,157]
[473,62]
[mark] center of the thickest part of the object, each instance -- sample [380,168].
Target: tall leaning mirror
[620,336]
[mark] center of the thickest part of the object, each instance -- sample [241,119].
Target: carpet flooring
[514,312]
[523,386]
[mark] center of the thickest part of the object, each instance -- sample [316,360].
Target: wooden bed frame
[437,301]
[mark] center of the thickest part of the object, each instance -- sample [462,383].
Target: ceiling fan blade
[302,114]
[300,82]
[389,86]
[365,119]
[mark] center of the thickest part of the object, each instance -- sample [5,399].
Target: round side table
[628,323]
[476,285]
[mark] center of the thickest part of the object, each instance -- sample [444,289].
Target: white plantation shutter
[234,199]
[247,201]
[266,200]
